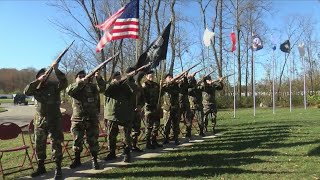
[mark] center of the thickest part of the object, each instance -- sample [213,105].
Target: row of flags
[125,24]
[257,43]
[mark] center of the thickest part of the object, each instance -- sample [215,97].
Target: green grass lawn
[2,109]
[281,146]
[11,100]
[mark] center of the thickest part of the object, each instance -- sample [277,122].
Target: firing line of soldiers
[125,101]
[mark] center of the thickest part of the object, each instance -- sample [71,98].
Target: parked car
[20,98]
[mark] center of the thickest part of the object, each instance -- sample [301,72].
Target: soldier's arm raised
[101,84]
[63,81]
[31,88]
[75,88]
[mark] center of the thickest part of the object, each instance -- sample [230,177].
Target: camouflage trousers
[88,128]
[136,126]
[152,124]
[171,119]
[186,117]
[52,127]
[210,114]
[113,131]
[198,115]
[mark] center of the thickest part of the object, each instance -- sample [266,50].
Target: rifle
[49,71]
[202,79]
[194,73]
[135,72]
[92,73]
[184,72]
[223,77]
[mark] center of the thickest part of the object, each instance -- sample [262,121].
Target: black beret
[117,73]
[130,69]
[80,72]
[169,74]
[41,71]
[150,72]
[207,77]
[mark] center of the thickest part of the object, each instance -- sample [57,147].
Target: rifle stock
[135,72]
[224,77]
[92,73]
[202,79]
[49,71]
[194,73]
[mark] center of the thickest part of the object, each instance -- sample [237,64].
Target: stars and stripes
[123,24]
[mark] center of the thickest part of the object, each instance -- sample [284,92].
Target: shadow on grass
[226,154]
[314,152]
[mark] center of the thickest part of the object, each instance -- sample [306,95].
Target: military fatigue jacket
[119,106]
[170,94]
[209,93]
[151,91]
[86,99]
[183,94]
[195,95]
[138,94]
[48,96]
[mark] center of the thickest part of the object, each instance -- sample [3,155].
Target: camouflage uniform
[151,92]
[119,110]
[170,106]
[185,112]
[86,107]
[209,102]
[195,99]
[47,120]
[138,102]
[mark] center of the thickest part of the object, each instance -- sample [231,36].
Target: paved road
[20,115]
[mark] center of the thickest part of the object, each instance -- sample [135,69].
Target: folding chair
[104,135]
[10,131]
[32,140]
[66,125]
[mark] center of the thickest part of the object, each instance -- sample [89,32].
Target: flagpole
[304,83]
[273,72]
[234,85]
[290,79]
[254,87]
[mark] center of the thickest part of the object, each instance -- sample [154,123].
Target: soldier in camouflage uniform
[119,110]
[47,120]
[185,112]
[170,92]
[209,100]
[85,121]
[195,99]
[138,102]
[151,91]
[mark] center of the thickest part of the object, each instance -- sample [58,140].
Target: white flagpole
[254,87]
[290,79]
[304,83]
[273,71]
[234,85]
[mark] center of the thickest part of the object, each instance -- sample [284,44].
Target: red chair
[66,125]
[11,131]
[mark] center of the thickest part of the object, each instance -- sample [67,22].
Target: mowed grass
[281,146]
[2,109]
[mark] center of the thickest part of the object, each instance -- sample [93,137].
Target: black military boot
[135,148]
[176,141]
[155,143]
[110,156]
[202,133]
[127,156]
[166,140]
[76,162]
[188,134]
[40,170]
[95,164]
[58,172]
[149,145]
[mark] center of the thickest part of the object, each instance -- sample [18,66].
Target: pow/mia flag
[256,43]
[285,47]
[157,51]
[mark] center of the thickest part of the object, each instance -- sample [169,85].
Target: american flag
[123,24]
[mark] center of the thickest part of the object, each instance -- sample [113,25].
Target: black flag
[285,47]
[157,51]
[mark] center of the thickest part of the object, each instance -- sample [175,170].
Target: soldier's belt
[90,100]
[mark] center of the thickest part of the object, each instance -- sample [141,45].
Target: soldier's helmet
[40,72]
[82,72]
